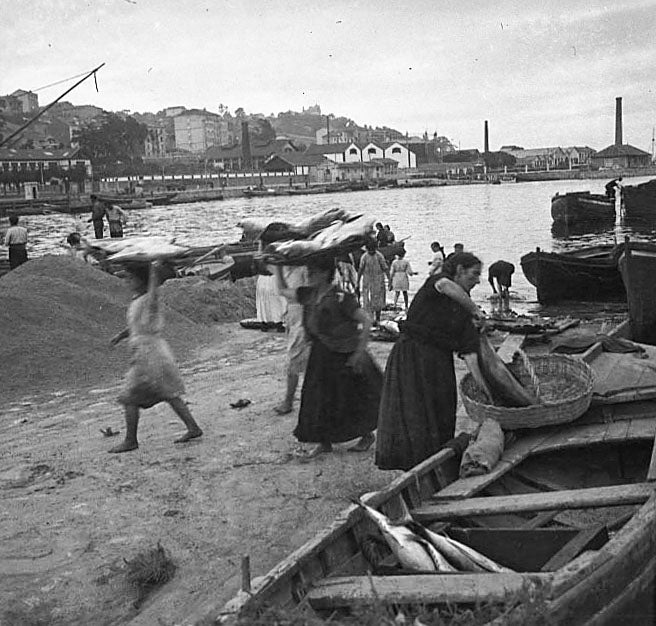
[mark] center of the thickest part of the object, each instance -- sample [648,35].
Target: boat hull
[588,579]
[559,277]
[639,201]
[637,267]
[576,208]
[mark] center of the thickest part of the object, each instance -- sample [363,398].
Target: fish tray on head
[339,238]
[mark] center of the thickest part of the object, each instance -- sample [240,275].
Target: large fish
[505,387]
[148,251]
[412,551]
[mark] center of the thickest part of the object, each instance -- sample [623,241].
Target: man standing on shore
[97,216]
[16,241]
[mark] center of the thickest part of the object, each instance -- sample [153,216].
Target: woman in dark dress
[418,406]
[341,388]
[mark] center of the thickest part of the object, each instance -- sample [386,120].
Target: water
[494,221]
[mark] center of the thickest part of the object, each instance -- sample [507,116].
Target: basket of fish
[559,390]
[341,237]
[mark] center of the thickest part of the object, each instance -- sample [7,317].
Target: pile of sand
[58,315]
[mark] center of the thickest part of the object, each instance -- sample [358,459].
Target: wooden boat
[637,266]
[127,202]
[264,193]
[639,201]
[582,206]
[570,509]
[153,198]
[305,191]
[586,274]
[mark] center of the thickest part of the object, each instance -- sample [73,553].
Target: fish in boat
[412,551]
[580,540]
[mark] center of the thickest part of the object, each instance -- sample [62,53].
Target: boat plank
[466,487]
[568,499]
[641,429]
[588,539]
[332,593]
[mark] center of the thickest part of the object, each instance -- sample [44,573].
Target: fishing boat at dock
[639,201]
[582,541]
[582,206]
[637,266]
[586,274]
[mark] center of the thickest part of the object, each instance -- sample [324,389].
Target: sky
[542,73]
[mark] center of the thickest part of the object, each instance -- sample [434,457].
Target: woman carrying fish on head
[418,406]
[153,376]
[341,388]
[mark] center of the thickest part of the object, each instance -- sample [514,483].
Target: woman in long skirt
[372,270]
[418,406]
[341,388]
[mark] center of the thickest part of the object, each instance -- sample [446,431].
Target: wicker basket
[565,391]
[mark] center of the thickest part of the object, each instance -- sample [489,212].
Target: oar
[202,258]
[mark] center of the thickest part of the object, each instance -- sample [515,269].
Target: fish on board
[412,551]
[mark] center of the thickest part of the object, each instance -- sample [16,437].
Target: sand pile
[58,314]
[207,302]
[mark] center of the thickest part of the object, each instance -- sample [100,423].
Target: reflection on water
[493,221]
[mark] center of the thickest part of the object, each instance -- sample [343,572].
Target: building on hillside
[155,141]
[196,130]
[28,100]
[314,167]
[375,170]
[173,111]
[405,157]
[231,158]
[10,105]
[348,152]
[623,156]
[372,151]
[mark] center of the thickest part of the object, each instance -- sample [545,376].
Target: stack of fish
[343,235]
[420,549]
[140,249]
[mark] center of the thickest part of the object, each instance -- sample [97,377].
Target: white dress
[270,305]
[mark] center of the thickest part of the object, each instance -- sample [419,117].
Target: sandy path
[71,513]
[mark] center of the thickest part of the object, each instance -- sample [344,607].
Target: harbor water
[494,221]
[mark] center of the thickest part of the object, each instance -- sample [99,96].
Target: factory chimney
[486,139]
[618,121]
[246,157]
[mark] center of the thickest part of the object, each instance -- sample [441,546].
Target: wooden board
[567,499]
[332,593]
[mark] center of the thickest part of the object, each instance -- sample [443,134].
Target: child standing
[400,273]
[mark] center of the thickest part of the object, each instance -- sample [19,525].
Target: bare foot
[191,434]
[363,444]
[283,408]
[126,446]
[322,448]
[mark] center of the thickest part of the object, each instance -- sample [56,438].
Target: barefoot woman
[341,389]
[153,376]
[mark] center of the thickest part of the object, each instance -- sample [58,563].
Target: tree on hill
[113,140]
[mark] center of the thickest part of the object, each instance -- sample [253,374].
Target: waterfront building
[43,166]
[373,171]
[231,158]
[553,158]
[348,152]
[404,156]
[624,156]
[315,168]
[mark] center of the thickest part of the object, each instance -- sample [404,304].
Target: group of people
[116,217]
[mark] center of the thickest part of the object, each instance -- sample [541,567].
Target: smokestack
[618,121]
[327,128]
[486,140]
[247,159]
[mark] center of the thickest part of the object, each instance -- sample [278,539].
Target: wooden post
[246,573]
[651,472]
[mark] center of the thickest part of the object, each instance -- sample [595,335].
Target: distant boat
[262,193]
[132,201]
[582,206]
[639,201]
[587,274]
[304,191]
[637,267]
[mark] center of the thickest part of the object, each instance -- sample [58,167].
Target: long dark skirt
[418,408]
[17,255]
[336,403]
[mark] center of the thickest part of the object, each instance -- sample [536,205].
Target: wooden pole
[246,573]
